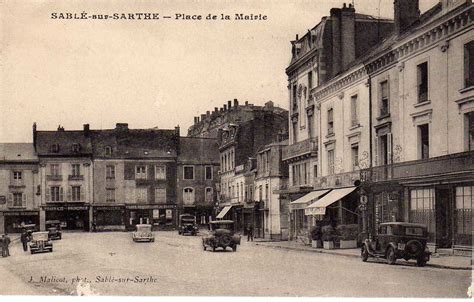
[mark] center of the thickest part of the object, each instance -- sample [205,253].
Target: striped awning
[223,212]
[319,207]
[305,200]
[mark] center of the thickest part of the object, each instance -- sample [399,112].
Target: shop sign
[3,199]
[315,211]
[113,208]
[67,208]
[149,207]
[20,213]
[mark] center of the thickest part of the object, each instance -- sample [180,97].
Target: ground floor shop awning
[223,212]
[304,201]
[319,207]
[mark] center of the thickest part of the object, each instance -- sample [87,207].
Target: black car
[222,235]
[54,229]
[187,224]
[398,240]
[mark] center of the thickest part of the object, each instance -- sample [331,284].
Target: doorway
[443,218]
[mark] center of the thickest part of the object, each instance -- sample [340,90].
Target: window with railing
[54,194]
[422,78]
[75,170]
[55,170]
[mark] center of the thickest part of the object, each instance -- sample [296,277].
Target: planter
[348,244]
[328,245]
[316,244]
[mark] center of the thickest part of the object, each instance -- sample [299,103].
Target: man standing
[24,240]
[5,245]
[249,232]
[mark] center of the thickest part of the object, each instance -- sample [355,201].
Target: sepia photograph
[225,149]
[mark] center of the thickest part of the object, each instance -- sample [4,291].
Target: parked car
[222,235]
[143,233]
[398,240]
[40,242]
[187,224]
[54,229]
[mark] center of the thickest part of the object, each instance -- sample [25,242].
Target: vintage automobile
[40,242]
[187,224]
[30,228]
[143,233]
[222,235]
[54,229]
[398,240]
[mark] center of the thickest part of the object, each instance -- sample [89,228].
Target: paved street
[176,265]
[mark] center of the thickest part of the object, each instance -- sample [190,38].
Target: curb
[356,256]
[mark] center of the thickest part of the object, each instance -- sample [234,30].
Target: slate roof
[17,152]
[198,150]
[65,140]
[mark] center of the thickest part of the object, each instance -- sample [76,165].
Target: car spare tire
[414,248]
[225,240]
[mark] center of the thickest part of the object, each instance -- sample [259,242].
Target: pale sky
[146,73]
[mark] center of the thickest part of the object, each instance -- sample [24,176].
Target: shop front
[162,217]
[203,213]
[108,218]
[72,217]
[14,220]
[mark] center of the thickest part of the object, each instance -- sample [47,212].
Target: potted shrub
[328,236]
[348,236]
[315,235]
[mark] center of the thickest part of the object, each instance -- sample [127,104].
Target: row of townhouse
[391,136]
[107,179]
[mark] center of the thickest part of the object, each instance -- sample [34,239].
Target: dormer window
[108,150]
[55,148]
[76,148]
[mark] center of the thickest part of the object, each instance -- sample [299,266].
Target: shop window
[140,172]
[110,172]
[160,172]
[188,172]
[75,170]
[110,195]
[422,78]
[354,111]
[208,172]
[209,195]
[160,195]
[424,141]
[384,99]
[355,157]
[464,206]
[188,196]
[142,195]
[330,115]
[469,64]
[422,206]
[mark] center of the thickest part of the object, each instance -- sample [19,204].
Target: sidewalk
[444,261]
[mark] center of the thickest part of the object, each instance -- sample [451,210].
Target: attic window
[76,147]
[55,148]
[108,150]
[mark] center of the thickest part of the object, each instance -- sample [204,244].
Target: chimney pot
[216,109]
[208,113]
[121,126]
[225,107]
[246,103]
[236,103]
[229,104]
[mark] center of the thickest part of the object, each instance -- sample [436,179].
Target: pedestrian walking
[249,232]
[5,245]
[24,240]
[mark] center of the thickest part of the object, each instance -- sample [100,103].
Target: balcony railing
[76,177]
[16,205]
[337,180]
[306,147]
[54,177]
[16,183]
[442,165]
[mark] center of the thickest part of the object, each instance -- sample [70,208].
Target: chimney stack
[208,113]
[216,109]
[225,107]
[121,126]
[34,135]
[229,104]
[246,103]
[203,117]
[236,103]
[406,12]
[86,128]
[343,37]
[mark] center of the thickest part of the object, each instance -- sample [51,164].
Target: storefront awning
[319,207]
[305,200]
[223,212]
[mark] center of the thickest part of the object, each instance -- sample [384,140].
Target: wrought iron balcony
[337,180]
[308,147]
[76,177]
[54,177]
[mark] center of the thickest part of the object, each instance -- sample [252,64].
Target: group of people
[5,243]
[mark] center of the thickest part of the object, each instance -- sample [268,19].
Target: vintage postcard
[224,148]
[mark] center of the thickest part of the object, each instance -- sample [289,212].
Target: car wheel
[32,252]
[364,254]
[51,250]
[204,247]
[213,248]
[234,248]
[391,258]
[420,262]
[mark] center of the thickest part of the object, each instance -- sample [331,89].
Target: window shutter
[376,151]
[69,193]
[48,194]
[81,189]
[23,199]
[61,194]
[389,148]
